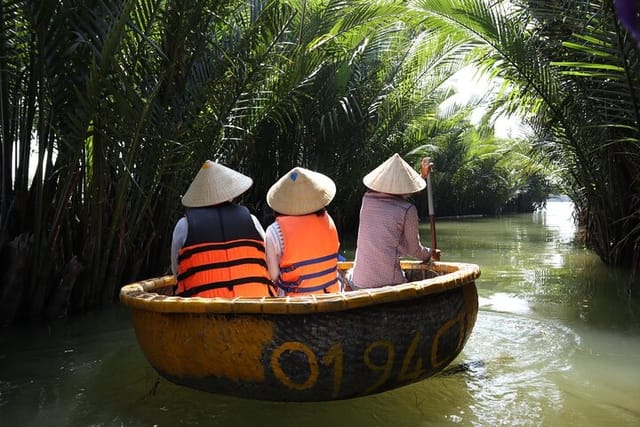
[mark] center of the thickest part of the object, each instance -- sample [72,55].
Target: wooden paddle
[432,216]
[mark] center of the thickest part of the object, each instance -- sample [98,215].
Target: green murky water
[557,343]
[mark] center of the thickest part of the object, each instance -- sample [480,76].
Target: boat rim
[141,296]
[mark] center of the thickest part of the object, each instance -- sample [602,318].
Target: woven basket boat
[308,348]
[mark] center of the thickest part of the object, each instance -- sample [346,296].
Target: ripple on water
[512,363]
[7,392]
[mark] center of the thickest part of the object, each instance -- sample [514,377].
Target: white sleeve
[273,248]
[180,232]
[258,226]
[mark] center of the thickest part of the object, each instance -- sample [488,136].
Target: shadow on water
[557,342]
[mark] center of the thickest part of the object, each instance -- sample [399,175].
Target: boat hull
[308,348]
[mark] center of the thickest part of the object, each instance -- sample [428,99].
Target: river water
[556,343]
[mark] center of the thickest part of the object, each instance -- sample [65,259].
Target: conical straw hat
[301,191]
[394,176]
[214,184]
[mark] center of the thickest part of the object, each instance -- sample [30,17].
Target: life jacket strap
[294,287]
[225,264]
[221,246]
[224,284]
[290,268]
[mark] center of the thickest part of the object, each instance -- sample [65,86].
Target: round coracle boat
[308,348]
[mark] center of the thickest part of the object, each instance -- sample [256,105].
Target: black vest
[222,223]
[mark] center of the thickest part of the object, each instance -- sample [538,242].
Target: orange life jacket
[310,254]
[223,255]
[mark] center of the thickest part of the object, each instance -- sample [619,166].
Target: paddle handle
[432,215]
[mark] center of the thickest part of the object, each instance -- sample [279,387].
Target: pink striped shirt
[388,230]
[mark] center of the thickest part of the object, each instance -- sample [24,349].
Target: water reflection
[557,342]
[558,218]
[504,302]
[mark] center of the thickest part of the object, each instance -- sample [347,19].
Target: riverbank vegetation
[109,108]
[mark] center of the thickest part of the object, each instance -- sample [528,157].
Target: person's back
[223,254]
[218,246]
[381,240]
[302,244]
[310,253]
[388,228]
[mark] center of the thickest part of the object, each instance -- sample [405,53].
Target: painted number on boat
[411,369]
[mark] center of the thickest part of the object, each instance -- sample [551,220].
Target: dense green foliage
[483,175]
[109,108]
[573,72]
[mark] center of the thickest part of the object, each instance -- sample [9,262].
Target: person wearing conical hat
[217,248]
[302,244]
[388,228]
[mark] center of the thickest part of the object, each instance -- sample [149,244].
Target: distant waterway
[556,343]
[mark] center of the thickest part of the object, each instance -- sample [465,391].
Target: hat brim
[300,192]
[215,184]
[394,176]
